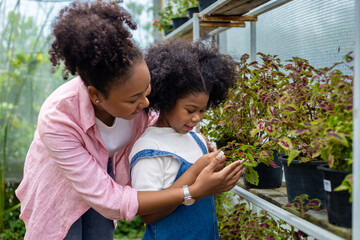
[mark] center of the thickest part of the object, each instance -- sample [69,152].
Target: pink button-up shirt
[65,170]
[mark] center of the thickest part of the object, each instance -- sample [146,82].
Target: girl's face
[126,100]
[187,112]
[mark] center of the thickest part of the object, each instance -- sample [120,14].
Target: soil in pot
[269,177]
[337,202]
[303,178]
[178,21]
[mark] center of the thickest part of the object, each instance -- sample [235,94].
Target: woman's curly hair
[179,68]
[93,40]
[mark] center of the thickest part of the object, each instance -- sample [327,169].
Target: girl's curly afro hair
[93,40]
[179,68]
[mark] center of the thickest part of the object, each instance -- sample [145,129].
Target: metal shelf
[315,223]
[221,14]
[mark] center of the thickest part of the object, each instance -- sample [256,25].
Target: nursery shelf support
[305,226]
[356,129]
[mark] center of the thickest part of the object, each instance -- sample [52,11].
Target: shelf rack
[314,223]
[225,14]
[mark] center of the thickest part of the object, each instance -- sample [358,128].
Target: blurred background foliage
[25,82]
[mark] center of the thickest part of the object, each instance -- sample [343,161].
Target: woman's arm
[210,181]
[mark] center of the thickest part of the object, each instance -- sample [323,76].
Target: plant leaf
[338,138]
[252,176]
[293,154]
[285,143]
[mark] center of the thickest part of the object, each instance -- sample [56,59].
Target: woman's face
[187,112]
[126,100]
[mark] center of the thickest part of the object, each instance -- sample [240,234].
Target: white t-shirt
[152,174]
[116,136]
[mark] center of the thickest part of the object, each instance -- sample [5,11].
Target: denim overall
[197,221]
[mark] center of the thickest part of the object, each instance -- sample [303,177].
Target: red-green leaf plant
[312,114]
[295,109]
[244,223]
[329,133]
[302,204]
[242,119]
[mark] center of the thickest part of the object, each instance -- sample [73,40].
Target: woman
[76,173]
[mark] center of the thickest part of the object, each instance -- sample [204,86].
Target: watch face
[189,201]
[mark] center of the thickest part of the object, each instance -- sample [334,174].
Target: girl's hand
[206,159]
[211,182]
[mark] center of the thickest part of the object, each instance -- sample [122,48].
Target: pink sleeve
[65,142]
[153,116]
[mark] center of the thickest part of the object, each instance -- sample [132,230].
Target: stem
[311,117]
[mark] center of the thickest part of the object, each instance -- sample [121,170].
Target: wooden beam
[225,18]
[222,24]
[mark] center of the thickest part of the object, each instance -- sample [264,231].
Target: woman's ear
[95,95]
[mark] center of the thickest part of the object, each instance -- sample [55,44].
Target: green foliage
[173,9]
[130,230]
[243,223]
[22,48]
[224,202]
[330,135]
[295,109]
[242,119]
[14,228]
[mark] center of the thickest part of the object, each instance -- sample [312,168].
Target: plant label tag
[327,185]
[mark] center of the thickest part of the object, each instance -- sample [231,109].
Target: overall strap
[149,153]
[199,142]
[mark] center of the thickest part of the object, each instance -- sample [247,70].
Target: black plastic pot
[204,4]
[303,178]
[191,11]
[166,32]
[269,177]
[178,21]
[337,202]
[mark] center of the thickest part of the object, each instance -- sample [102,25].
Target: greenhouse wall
[320,31]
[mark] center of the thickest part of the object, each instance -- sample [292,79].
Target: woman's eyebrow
[195,106]
[137,94]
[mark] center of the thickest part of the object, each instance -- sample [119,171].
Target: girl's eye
[190,111]
[132,102]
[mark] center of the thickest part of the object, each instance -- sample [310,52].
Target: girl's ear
[95,96]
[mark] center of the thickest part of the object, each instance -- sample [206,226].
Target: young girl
[186,79]
[76,173]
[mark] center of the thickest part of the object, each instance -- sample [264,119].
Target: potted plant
[331,140]
[164,22]
[177,10]
[173,15]
[233,121]
[296,102]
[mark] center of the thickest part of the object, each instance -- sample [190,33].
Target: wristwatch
[188,200]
